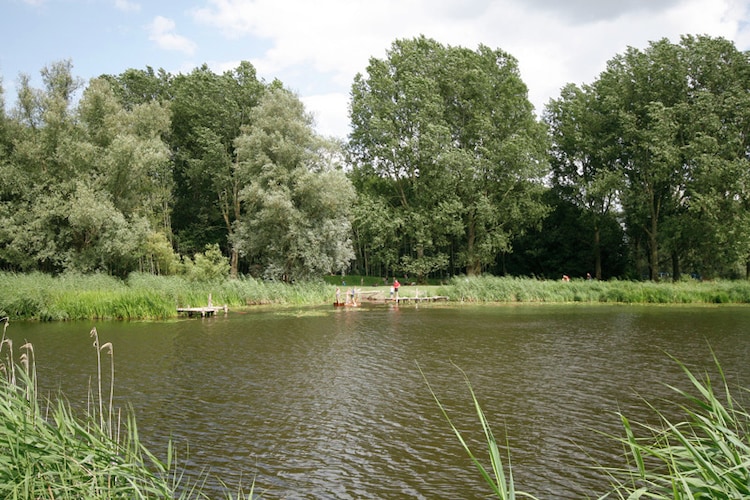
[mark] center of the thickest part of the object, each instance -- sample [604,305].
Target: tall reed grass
[507,289]
[140,296]
[145,296]
[48,452]
[705,455]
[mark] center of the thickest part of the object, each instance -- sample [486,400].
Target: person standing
[396,284]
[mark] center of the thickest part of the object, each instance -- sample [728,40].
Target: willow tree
[295,204]
[447,136]
[92,179]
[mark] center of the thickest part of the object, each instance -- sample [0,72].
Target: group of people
[351,297]
[351,294]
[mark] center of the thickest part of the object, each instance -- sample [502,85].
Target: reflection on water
[330,403]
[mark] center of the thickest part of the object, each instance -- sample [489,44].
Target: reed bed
[47,451]
[145,296]
[141,296]
[486,289]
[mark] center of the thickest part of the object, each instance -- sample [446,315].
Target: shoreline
[38,297]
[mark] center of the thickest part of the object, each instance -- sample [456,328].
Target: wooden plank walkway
[378,298]
[203,311]
[419,299]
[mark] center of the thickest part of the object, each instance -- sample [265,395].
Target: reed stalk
[704,455]
[500,481]
[58,455]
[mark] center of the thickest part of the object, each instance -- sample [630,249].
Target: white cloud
[326,109]
[555,42]
[127,6]
[161,31]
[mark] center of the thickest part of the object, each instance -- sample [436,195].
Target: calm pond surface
[330,403]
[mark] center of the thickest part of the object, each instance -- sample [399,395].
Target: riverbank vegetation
[49,451]
[489,289]
[74,296]
[140,296]
[703,455]
[448,170]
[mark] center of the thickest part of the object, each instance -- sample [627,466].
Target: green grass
[704,455]
[141,296]
[49,452]
[485,289]
[144,296]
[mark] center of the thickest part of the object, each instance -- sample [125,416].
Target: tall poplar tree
[682,118]
[447,137]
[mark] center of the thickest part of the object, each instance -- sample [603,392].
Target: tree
[451,135]
[294,222]
[585,168]
[91,181]
[681,118]
[208,114]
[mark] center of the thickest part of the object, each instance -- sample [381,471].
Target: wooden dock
[203,311]
[373,297]
[434,298]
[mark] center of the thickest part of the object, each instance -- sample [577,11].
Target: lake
[332,403]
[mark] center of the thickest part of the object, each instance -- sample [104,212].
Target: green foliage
[210,265]
[678,115]
[295,223]
[447,161]
[704,455]
[445,138]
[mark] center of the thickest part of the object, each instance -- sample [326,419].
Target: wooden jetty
[203,311]
[434,298]
[356,297]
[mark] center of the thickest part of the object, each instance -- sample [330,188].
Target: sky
[316,47]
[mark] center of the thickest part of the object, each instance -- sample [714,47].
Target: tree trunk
[653,246]
[675,266]
[473,266]
[234,261]
[597,253]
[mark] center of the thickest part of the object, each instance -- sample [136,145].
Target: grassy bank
[494,289]
[144,296]
[141,296]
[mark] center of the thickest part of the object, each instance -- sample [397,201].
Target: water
[331,403]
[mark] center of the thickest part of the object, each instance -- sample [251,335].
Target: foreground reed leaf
[502,485]
[704,456]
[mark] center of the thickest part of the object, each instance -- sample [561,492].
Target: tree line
[447,170]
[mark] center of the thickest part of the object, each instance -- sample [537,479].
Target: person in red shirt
[396,284]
